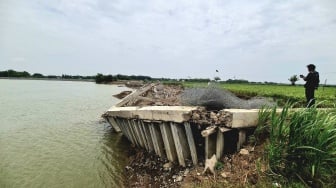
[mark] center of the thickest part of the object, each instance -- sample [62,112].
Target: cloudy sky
[258,41]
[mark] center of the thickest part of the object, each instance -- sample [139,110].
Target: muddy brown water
[51,135]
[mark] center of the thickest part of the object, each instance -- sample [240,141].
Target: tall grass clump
[302,144]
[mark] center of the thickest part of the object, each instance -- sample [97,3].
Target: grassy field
[280,93]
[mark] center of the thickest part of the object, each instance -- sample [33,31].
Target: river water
[51,136]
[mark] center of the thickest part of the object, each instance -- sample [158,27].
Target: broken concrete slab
[177,114]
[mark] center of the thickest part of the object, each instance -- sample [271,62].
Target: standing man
[312,81]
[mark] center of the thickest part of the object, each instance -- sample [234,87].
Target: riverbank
[272,162]
[149,170]
[238,169]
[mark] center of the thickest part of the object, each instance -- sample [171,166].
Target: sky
[252,40]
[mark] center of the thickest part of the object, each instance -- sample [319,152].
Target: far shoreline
[120,83]
[47,79]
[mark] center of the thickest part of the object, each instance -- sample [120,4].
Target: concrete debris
[196,116]
[128,168]
[147,170]
[122,95]
[210,164]
[179,178]
[208,131]
[225,174]
[186,172]
[212,98]
[203,117]
[134,84]
[252,149]
[244,152]
[158,95]
[167,166]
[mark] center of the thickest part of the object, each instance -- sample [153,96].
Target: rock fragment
[244,152]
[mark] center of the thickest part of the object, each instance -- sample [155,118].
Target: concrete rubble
[174,132]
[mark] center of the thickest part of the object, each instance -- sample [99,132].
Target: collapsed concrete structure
[178,133]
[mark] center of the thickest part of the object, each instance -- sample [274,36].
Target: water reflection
[113,152]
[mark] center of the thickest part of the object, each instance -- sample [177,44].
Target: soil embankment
[237,169]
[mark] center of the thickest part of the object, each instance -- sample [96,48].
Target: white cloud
[253,40]
[18,59]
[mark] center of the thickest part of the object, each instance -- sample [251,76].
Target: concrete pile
[203,117]
[157,95]
[173,123]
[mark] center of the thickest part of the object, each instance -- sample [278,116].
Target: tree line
[13,73]
[101,78]
[24,74]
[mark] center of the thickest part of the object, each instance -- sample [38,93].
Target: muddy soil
[232,170]
[149,170]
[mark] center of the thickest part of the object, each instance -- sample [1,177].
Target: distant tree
[293,79]
[99,78]
[25,74]
[4,74]
[37,75]
[197,80]
[108,78]
[217,78]
[133,77]
[51,76]
[236,81]
[65,76]
[77,77]
[13,73]
[123,77]
[270,83]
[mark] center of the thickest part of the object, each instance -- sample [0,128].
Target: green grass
[302,145]
[280,93]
